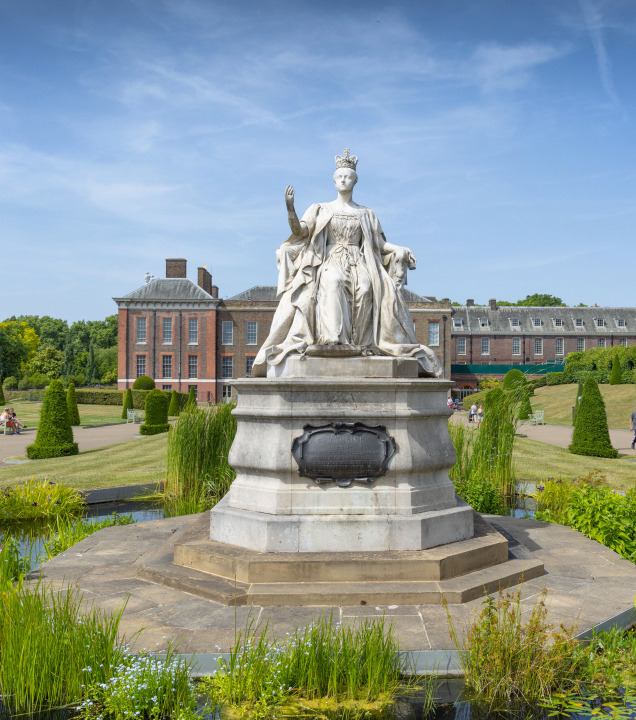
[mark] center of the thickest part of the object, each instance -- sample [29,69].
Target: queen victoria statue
[340,285]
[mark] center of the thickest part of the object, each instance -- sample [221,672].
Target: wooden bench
[536,418]
[133,416]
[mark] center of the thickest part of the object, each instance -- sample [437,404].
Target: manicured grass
[557,400]
[128,463]
[29,413]
[537,461]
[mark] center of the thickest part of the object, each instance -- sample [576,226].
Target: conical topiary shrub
[71,404]
[513,379]
[55,434]
[175,406]
[591,436]
[156,413]
[192,398]
[525,409]
[128,404]
[616,376]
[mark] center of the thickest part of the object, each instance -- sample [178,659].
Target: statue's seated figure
[340,284]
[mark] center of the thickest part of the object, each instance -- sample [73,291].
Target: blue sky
[495,139]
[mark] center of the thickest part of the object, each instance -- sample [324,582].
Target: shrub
[525,409]
[71,404]
[39,500]
[38,381]
[591,435]
[175,406]
[24,384]
[616,376]
[55,435]
[78,379]
[128,403]
[554,378]
[109,377]
[513,378]
[144,383]
[156,413]
[537,383]
[11,383]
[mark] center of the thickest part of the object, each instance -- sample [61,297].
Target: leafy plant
[55,435]
[71,404]
[505,657]
[39,500]
[11,383]
[15,561]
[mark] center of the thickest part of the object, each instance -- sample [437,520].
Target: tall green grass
[358,663]
[197,471]
[39,500]
[50,644]
[66,532]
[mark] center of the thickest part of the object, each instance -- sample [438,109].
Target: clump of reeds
[39,500]
[358,663]
[197,470]
[50,644]
[18,556]
[67,532]
[506,658]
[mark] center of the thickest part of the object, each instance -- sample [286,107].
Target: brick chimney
[215,291]
[176,268]
[492,303]
[470,303]
[205,280]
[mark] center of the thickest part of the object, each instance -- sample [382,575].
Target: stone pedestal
[271,509]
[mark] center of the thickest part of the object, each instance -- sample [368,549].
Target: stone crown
[346,161]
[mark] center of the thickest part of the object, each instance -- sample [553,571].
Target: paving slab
[587,584]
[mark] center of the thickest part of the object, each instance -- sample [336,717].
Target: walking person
[480,415]
[632,420]
[472,412]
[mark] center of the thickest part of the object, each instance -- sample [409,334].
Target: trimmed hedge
[156,413]
[144,382]
[525,409]
[116,397]
[55,434]
[591,435]
[616,375]
[175,406]
[599,362]
[71,405]
[513,378]
[192,398]
[554,378]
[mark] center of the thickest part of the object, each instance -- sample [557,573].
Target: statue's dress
[344,305]
[334,288]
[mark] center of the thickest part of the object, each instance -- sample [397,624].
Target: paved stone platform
[587,584]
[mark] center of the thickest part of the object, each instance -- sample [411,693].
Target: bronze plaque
[343,452]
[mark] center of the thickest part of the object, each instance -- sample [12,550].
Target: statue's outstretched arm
[298,228]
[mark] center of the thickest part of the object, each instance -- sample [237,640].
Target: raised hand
[289,197]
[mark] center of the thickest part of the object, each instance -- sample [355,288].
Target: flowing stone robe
[300,261]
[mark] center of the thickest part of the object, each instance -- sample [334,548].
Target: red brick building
[181,334]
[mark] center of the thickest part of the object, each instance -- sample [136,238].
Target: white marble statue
[340,285]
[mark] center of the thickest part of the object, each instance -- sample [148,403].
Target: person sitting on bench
[11,423]
[15,419]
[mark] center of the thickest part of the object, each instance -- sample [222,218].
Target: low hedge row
[554,378]
[116,397]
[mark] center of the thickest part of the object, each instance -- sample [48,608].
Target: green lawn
[128,463]
[29,413]
[537,461]
[557,400]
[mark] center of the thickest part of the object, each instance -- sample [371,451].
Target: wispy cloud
[593,18]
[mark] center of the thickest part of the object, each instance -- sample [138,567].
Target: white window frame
[225,361]
[560,341]
[163,366]
[601,342]
[516,341]
[141,321]
[433,334]
[618,322]
[253,340]
[580,344]
[484,322]
[485,346]
[144,361]
[227,331]
[165,322]
[538,343]
[458,323]
[190,363]
[515,322]
[226,393]
[558,322]
[622,342]
[461,345]
[249,364]
[536,322]
[579,322]
[193,331]
[600,322]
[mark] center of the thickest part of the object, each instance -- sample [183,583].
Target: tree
[128,404]
[541,300]
[175,405]
[68,363]
[51,331]
[18,342]
[91,367]
[156,413]
[591,435]
[46,361]
[71,404]
[55,434]
[616,376]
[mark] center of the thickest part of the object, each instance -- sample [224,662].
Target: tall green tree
[2,400]
[68,363]
[91,367]
[541,300]
[51,331]
[591,434]
[47,361]
[13,352]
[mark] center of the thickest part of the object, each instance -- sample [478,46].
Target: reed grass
[67,532]
[50,644]
[505,658]
[39,500]
[18,556]
[358,663]
[197,470]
